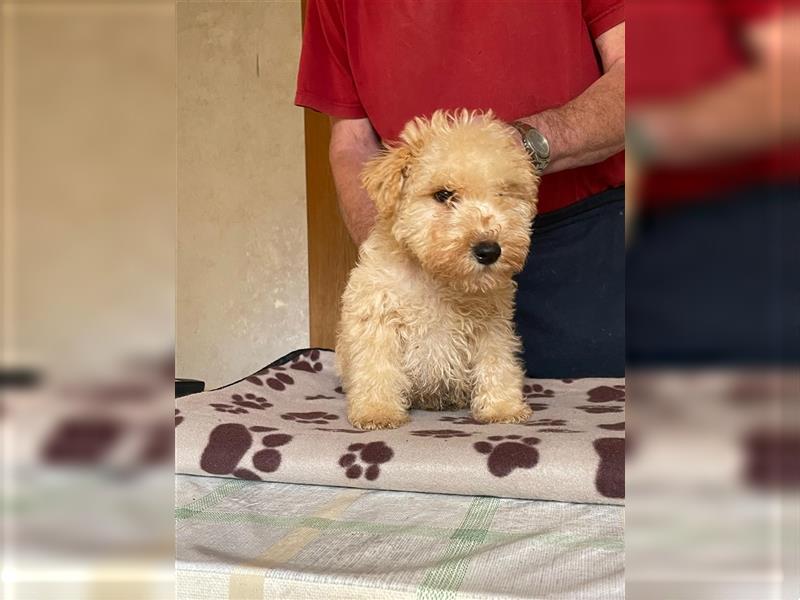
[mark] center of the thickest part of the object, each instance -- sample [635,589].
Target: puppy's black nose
[486,253]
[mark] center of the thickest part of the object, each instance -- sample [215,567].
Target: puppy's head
[458,193]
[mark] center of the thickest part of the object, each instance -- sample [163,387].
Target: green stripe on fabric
[443,580]
[333,526]
[210,499]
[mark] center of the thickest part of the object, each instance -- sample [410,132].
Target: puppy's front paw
[505,412]
[373,416]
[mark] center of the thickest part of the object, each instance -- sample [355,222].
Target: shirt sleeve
[602,15]
[325,81]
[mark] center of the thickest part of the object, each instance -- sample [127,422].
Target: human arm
[353,143]
[591,127]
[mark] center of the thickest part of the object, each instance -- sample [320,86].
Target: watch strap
[539,162]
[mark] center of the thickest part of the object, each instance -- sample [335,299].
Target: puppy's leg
[498,377]
[375,384]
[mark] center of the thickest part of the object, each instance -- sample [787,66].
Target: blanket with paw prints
[288,423]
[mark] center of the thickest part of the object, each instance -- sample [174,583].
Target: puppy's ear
[383,178]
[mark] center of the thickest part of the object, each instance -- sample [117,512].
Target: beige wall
[242,297]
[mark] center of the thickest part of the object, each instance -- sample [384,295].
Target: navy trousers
[571,297]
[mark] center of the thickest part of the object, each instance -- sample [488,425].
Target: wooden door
[331,252]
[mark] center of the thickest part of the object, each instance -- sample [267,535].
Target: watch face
[539,143]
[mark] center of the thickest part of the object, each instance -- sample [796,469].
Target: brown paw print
[372,454]
[613,426]
[318,417]
[465,420]
[240,404]
[558,430]
[339,390]
[547,423]
[307,362]
[178,417]
[441,433]
[607,393]
[320,397]
[600,409]
[610,478]
[228,443]
[269,459]
[274,377]
[536,406]
[250,401]
[508,452]
[536,391]
[229,408]
[551,426]
[279,381]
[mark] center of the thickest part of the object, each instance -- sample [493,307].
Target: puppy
[427,313]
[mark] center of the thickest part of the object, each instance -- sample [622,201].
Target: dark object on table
[187,387]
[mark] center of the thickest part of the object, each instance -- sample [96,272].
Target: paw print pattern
[536,391]
[228,443]
[537,406]
[274,377]
[607,393]
[178,417]
[279,381]
[307,362]
[228,408]
[600,409]
[240,404]
[551,426]
[320,397]
[441,433]
[226,446]
[558,430]
[372,455]
[610,478]
[508,452]
[547,423]
[613,426]
[464,420]
[318,417]
[250,401]
[269,459]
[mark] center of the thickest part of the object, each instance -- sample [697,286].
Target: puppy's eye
[442,195]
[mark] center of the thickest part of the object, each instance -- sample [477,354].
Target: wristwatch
[535,143]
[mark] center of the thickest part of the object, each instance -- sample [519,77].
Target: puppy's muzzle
[486,253]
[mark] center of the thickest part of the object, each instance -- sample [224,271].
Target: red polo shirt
[391,61]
